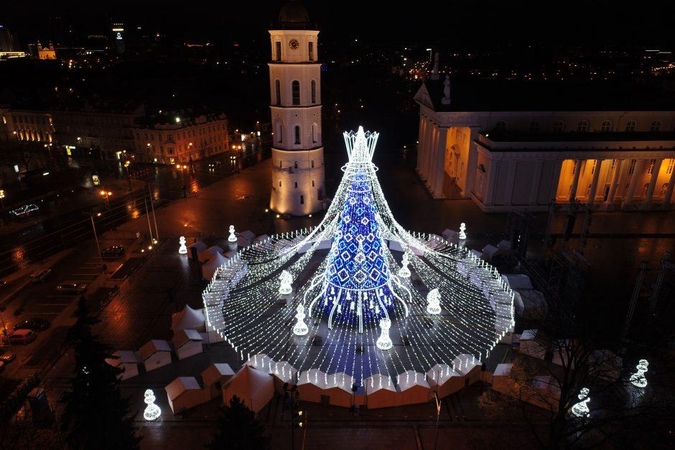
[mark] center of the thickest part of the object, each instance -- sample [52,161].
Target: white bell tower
[298,175]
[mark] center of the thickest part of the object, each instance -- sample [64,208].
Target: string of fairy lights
[360,315]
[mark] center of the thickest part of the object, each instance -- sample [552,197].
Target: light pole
[106,194]
[438,416]
[4,328]
[93,227]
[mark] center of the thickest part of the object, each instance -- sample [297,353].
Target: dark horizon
[485,23]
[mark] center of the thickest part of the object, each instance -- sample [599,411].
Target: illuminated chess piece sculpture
[404,272]
[384,341]
[300,328]
[462,231]
[232,237]
[638,378]
[183,248]
[152,411]
[581,409]
[434,299]
[286,280]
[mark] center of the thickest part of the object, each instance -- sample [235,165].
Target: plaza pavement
[167,281]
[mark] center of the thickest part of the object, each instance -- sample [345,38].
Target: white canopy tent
[210,266]
[155,353]
[127,360]
[254,387]
[184,393]
[199,247]
[214,377]
[188,318]
[414,388]
[380,392]
[187,343]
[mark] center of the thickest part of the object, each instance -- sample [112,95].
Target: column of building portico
[647,203]
[594,184]
[536,180]
[494,170]
[510,181]
[436,184]
[433,159]
[430,145]
[616,177]
[636,175]
[423,147]
[669,192]
[575,182]
[553,192]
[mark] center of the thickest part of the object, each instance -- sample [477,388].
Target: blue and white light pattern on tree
[348,280]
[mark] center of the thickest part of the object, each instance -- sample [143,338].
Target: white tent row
[379,391]
[186,392]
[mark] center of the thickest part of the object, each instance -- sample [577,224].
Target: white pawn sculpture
[404,272]
[232,237]
[286,279]
[300,328]
[434,299]
[384,341]
[183,248]
[581,409]
[462,231]
[638,378]
[152,411]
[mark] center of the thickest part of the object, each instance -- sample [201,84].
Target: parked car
[40,275]
[34,323]
[20,336]
[71,288]
[114,251]
[7,356]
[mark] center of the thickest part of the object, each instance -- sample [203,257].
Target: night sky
[648,23]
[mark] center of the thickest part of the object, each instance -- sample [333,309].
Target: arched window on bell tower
[296,92]
[277,92]
[313,92]
[297,134]
[280,132]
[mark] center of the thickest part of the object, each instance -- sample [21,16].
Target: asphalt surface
[137,307]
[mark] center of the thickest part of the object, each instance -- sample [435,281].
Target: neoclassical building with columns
[517,146]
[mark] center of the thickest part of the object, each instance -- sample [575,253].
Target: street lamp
[106,194]
[93,227]
[4,327]
[2,196]
[292,394]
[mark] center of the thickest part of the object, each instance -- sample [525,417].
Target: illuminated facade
[295,105]
[26,126]
[103,133]
[174,139]
[508,159]
[350,299]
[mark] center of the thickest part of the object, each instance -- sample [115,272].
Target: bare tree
[543,387]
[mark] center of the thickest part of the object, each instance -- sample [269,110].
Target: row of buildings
[115,134]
